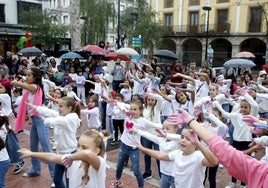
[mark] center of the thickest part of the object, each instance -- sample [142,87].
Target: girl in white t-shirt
[4,158]
[86,168]
[93,113]
[189,163]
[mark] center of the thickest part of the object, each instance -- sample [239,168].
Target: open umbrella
[244,54]
[114,56]
[166,54]
[127,51]
[95,50]
[239,63]
[30,51]
[71,55]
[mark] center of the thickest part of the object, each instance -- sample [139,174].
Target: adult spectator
[118,75]
[192,68]
[44,63]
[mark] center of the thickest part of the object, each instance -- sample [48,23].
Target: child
[242,132]
[189,163]
[86,167]
[4,158]
[118,119]
[152,112]
[128,149]
[247,169]
[18,96]
[165,145]
[93,113]
[66,121]
[126,91]
[39,132]
[71,93]
[12,142]
[80,84]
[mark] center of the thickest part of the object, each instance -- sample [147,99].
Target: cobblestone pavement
[128,178]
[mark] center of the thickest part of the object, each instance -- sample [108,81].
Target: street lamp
[118,25]
[85,27]
[207,8]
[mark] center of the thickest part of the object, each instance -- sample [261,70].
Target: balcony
[254,27]
[198,29]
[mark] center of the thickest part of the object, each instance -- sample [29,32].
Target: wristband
[193,119]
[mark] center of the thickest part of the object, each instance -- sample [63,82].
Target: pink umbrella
[95,50]
[114,56]
[244,54]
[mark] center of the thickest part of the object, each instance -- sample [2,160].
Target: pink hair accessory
[144,95]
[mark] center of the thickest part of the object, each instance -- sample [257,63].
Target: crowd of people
[192,121]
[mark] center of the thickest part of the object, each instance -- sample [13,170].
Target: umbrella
[166,54]
[71,55]
[114,56]
[244,54]
[239,63]
[95,50]
[127,51]
[30,51]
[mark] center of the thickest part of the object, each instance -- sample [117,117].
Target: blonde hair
[98,141]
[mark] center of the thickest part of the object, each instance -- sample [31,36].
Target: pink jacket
[243,167]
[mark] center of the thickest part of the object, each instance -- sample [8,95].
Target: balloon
[21,42]
[28,36]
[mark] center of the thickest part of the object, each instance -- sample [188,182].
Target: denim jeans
[111,127]
[126,152]
[58,177]
[264,115]
[147,159]
[4,166]
[39,133]
[12,147]
[115,85]
[167,181]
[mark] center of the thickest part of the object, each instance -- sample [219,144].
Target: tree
[99,13]
[44,27]
[141,21]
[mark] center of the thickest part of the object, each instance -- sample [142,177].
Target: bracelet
[193,119]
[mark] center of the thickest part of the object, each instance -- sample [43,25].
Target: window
[255,19]
[169,22]
[194,21]
[2,13]
[222,20]
[194,2]
[65,20]
[223,1]
[168,4]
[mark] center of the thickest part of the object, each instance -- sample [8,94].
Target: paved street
[43,181]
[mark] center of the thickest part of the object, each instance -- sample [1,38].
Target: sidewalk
[128,178]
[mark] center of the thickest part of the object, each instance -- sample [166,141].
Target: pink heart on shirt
[129,125]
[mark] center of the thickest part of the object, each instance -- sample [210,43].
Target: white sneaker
[220,166]
[52,185]
[243,186]
[231,185]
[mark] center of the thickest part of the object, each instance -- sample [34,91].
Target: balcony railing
[198,29]
[254,27]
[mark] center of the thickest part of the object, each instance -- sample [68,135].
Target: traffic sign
[136,42]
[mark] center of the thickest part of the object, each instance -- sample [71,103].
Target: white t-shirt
[96,178]
[17,103]
[93,117]
[188,169]
[3,153]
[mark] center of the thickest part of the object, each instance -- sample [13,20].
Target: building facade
[229,26]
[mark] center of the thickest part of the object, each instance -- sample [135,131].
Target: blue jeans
[264,115]
[167,181]
[58,177]
[111,127]
[147,159]
[126,152]
[39,133]
[12,147]
[4,166]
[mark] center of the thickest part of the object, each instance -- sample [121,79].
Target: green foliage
[44,27]
[99,13]
[141,21]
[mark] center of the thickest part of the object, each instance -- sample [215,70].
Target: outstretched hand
[67,161]
[250,120]
[180,119]
[25,152]
[160,133]
[31,106]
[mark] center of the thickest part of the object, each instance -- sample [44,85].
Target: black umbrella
[31,51]
[166,54]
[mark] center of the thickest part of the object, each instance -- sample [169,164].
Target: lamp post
[118,25]
[207,8]
[85,27]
